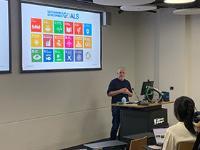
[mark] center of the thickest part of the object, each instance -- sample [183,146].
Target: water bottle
[124,100]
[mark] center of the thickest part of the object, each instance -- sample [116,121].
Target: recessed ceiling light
[138,8]
[178,1]
[122,2]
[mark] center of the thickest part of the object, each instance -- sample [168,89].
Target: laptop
[159,134]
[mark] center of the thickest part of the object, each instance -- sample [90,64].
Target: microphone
[155,89]
[135,94]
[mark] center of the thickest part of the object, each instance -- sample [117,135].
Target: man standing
[119,88]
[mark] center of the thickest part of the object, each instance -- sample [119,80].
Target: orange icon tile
[47,26]
[59,41]
[78,42]
[87,42]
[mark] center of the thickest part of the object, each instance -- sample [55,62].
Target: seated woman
[184,129]
[197,142]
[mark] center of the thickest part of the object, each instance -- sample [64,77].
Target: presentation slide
[55,38]
[4,37]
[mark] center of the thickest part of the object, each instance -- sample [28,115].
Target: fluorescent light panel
[178,1]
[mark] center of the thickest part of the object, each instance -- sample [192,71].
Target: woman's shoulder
[176,127]
[180,131]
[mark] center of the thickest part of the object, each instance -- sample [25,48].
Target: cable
[135,94]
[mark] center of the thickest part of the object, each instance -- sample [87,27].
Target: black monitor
[145,85]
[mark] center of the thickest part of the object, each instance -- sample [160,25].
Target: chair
[138,144]
[186,145]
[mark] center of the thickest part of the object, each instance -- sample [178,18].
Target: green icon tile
[59,55]
[36,55]
[58,27]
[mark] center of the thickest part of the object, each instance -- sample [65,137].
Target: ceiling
[161,4]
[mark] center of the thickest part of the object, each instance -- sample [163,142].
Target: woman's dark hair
[184,112]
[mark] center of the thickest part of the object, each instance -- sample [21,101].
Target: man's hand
[124,90]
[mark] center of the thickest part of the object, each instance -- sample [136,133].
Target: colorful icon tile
[78,42]
[58,27]
[78,55]
[47,26]
[87,42]
[36,40]
[36,25]
[36,55]
[48,40]
[78,27]
[59,55]
[88,29]
[48,55]
[69,28]
[69,55]
[58,41]
[69,41]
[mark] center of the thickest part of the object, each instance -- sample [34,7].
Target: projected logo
[60,41]
[87,42]
[36,40]
[47,26]
[78,55]
[59,55]
[69,55]
[78,27]
[36,25]
[88,29]
[69,41]
[58,27]
[48,55]
[88,56]
[78,42]
[47,40]
[69,28]
[36,55]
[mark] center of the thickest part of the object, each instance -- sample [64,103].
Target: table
[106,145]
[140,135]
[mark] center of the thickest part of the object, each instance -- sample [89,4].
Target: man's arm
[113,93]
[129,90]
[123,91]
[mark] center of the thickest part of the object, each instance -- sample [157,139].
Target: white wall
[194,61]
[145,43]
[173,42]
[44,111]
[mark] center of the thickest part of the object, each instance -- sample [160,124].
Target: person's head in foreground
[184,112]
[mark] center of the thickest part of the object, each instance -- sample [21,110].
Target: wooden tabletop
[142,106]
